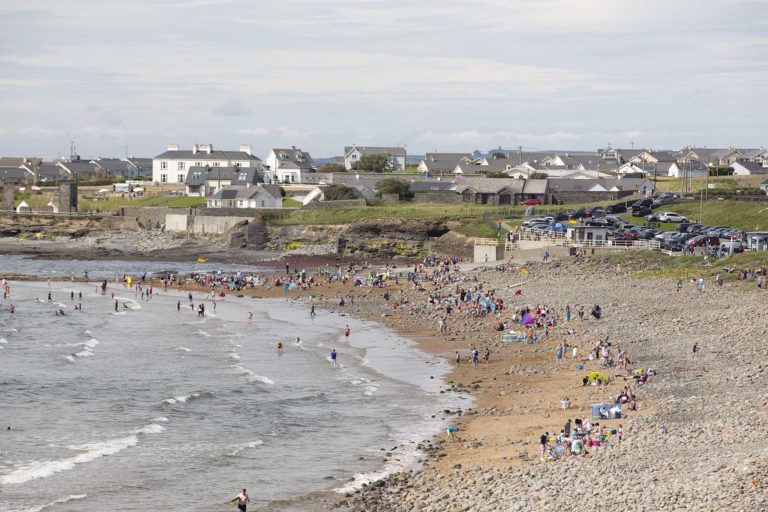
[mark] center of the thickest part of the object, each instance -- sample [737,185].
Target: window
[198,164]
[262,204]
[163,178]
[241,202]
[181,178]
[163,165]
[215,164]
[182,165]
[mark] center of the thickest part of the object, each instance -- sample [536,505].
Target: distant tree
[337,192]
[498,155]
[395,186]
[496,174]
[538,176]
[282,191]
[332,168]
[374,163]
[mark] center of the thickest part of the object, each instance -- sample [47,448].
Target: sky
[131,77]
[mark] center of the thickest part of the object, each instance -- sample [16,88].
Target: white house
[353,154]
[690,170]
[748,168]
[257,196]
[288,165]
[442,162]
[173,165]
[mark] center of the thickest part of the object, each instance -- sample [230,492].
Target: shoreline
[517,397]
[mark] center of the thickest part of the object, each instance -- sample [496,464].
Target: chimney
[293,147]
[245,148]
[173,147]
[195,149]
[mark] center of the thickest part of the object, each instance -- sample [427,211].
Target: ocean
[149,407]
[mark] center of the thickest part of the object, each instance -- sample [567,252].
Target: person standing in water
[116,304]
[279,348]
[312,311]
[178,305]
[333,358]
[241,500]
[346,332]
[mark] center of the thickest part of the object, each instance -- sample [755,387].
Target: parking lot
[658,216]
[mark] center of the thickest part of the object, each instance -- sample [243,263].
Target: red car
[531,202]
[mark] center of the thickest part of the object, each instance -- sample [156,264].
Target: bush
[338,192]
[332,168]
[395,186]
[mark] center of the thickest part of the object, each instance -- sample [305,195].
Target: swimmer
[116,304]
[298,340]
[250,316]
[279,348]
[49,297]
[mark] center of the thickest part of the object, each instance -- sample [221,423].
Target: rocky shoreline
[695,444]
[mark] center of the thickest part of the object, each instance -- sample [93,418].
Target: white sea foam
[202,333]
[152,428]
[91,343]
[160,419]
[252,376]
[181,398]
[370,390]
[235,356]
[3,341]
[70,358]
[65,499]
[179,348]
[46,468]
[245,446]
[84,353]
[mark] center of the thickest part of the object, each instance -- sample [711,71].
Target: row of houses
[22,170]
[296,166]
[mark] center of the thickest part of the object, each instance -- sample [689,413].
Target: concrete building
[289,165]
[257,196]
[173,165]
[206,181]
[353,154]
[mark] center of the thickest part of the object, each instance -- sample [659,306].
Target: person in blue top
[559,353]
[333,358]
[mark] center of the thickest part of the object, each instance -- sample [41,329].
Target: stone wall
[587,197]
[437,197]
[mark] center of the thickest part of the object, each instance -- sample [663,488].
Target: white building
[173,165]
[257,196]
[690,170]
[748,168]
[288,165]
[353,154]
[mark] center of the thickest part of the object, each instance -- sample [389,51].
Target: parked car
[654,217]
[576,214]
[704,241]
[616,208]
[661,200]
[642,203]
[531,202]
[671,217]
[641,211]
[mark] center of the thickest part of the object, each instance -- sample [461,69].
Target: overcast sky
[447,75]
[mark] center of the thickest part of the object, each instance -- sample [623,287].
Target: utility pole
[520,155]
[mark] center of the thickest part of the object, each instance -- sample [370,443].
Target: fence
[60,215]
[561,241]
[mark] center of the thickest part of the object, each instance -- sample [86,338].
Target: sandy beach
[700,415]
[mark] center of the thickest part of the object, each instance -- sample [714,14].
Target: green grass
[291,203]
[750,216]
[114,204]
[658,264]
[396,211]
[478,229]
[667,184]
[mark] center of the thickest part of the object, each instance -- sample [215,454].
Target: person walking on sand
[334,364]
[473,357]
[679,285]
[695,349]
[346,332]
[559,353]
[487,355]
[241,500]
[458,358]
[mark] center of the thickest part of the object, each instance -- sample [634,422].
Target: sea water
[150,407]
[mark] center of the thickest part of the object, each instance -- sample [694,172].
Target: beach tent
[593,376]
[557,227]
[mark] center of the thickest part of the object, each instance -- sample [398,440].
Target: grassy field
[750,216]
[291,203]
[115,203]
[657,264]
[668,184]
